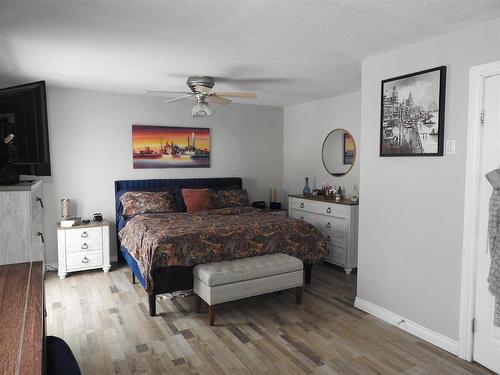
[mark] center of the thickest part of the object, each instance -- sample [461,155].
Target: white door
[487,336]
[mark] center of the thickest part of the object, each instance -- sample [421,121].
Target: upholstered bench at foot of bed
[231,280]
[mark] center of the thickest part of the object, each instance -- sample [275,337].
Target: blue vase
[306,190]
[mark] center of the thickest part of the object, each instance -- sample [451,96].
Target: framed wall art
[412,114]
[170,147]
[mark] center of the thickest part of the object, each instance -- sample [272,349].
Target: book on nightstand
[70,222]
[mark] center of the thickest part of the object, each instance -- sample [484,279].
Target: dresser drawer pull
[85,246]
[327,252]
[328,238]
[329,209]
[328,225]
[302,205]
[85,234]
[302,218]
[39,200]
[85,260]
[40,234]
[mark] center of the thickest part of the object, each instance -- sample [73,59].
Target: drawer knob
[302,205]
[85,246]
[39,200]
[327,251]
[85,260]
[329,209]
[302,218]
[328,238]
[328,225]
[40,234]
[85,234]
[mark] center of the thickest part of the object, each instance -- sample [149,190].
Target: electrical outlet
[450,146]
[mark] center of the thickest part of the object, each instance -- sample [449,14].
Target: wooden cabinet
[21,223]
[83,247]
[337,221]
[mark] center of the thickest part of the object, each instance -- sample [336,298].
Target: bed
[190,239]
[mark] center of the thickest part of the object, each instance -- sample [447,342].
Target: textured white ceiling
[286,51]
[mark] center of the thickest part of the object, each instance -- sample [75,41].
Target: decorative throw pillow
[197,200]
[230,198]
[143,202]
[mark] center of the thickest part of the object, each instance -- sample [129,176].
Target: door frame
[477,74]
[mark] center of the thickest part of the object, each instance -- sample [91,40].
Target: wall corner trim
[411,327]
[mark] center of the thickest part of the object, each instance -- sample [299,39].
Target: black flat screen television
[24,134]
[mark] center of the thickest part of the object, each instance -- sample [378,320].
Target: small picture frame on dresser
[83,247]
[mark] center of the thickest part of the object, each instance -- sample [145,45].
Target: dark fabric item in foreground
[60,358]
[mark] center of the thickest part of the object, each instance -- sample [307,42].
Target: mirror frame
[354,158]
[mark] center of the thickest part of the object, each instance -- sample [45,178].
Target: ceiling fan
[201,87]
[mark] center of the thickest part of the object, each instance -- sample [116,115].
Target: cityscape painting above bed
[170,147]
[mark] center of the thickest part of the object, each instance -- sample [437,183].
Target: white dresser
[83,247]
[338,221]
[21,223]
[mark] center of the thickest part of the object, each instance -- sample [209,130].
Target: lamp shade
[202,109]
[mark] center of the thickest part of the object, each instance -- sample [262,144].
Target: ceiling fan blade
[178,98]
[202,89]
[217,99]
[164,93]
[249,95]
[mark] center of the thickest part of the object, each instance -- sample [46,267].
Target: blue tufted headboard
[165,184]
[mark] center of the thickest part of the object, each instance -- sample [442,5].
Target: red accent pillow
[197,199]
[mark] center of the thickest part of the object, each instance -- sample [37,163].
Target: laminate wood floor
[104,319]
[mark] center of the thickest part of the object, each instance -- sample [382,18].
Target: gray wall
[411,211]
[91,146]
[305,128]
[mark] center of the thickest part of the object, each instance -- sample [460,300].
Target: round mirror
[339,152]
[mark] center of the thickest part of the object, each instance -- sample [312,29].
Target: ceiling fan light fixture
[202,109]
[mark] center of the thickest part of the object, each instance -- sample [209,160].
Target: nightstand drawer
[84,259]
[83,233]
[83,244]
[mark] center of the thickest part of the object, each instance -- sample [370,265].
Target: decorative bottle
[355,194]
[307,190]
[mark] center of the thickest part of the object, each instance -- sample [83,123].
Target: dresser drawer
[335,255]
[36,202]
[83,259]
[331,209]
[327,236]
[334,227]
[303,204]
[302,215]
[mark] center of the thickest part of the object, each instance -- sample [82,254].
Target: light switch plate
[450,146]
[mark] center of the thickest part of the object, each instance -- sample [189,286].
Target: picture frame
[412,114]
[349,149]
[170,147]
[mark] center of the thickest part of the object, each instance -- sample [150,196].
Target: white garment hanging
[494,241]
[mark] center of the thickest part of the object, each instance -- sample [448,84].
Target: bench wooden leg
[152,304]
[211,314]
[197,303]
[308,271]
[298,295]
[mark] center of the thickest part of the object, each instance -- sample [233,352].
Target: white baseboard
[409,326]
[54,266]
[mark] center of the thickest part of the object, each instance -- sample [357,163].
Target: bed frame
[173,278]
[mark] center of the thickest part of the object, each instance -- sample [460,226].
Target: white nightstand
[83,247]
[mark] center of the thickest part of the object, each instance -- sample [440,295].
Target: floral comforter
[170,239]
